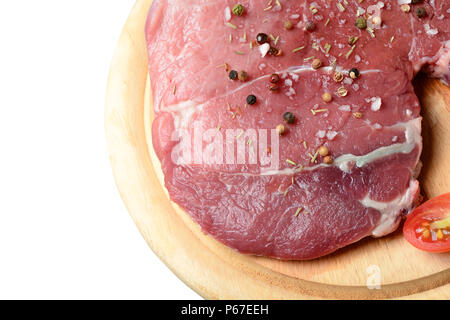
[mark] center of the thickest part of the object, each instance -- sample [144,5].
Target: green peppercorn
[361,23]
[421,12]
[233,75]
[289,117]
[353,73]
[251,99]
[238,9]
[262,38]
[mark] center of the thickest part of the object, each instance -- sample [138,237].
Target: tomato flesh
[428,226]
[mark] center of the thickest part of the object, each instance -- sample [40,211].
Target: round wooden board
[217,272]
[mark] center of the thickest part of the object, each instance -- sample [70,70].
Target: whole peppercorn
[274,78]
[310,26]
[361,23]
[421,12]
[262,38]
[358,115]
[274,87]
[251,99]
[238,9]
[289,117]
[326,97]
[288,25]
[233,75]
[323,151]
[353,73]
[316,64]
[328,160]
[415,1]
[338,76]
[273,51]
[405,7]
[281,129]
[342,92]
[242,76]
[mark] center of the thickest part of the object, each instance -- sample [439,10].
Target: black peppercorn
[233,75]
[289,117]
[415,1]
[251,99]
[273,51]
[353,73]
[262,38]
[421,12]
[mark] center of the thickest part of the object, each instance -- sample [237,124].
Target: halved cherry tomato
[428,226]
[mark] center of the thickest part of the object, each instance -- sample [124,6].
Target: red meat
[282,199]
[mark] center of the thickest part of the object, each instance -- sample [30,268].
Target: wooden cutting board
[217,272]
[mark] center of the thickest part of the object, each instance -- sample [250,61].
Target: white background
[64,231]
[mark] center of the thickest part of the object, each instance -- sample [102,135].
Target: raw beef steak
[316,144]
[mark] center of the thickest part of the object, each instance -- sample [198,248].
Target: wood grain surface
[218,272]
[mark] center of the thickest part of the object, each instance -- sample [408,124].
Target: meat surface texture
[301,204]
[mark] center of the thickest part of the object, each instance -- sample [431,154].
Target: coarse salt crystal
[264,49]
[348,80]
[331,135]
[376,104]
[321,134]
[408,112]
[288,82]
[429,30]
[345,107]
[290,92]
[227,14]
